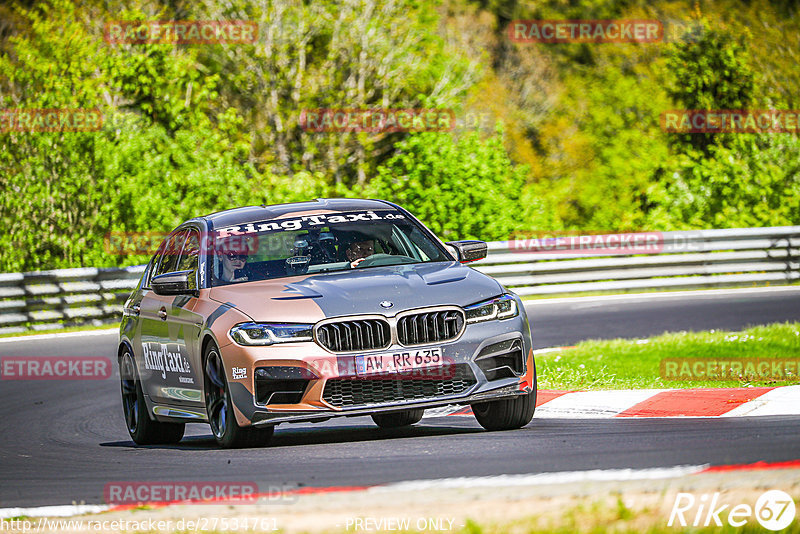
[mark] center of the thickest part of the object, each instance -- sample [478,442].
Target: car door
[169,367]
[182,319]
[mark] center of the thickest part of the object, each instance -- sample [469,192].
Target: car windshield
[318,243]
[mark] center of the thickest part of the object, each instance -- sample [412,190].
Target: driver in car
[358,250]
[232,261]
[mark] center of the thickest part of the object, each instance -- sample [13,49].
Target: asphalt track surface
[63,441]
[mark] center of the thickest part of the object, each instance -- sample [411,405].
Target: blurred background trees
[568,135]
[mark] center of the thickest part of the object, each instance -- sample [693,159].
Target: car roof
[250,214]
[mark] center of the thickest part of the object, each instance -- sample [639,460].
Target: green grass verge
[630,364]
[593,519]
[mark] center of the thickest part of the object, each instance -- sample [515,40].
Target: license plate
[398,362]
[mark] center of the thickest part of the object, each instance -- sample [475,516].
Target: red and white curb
[498,481]
[721,402]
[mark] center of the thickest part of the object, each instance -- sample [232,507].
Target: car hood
[361,291]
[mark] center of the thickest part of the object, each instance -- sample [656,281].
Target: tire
[142,429]
[398,419]
[219,406]
[507,414]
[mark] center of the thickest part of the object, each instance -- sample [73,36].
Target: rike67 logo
[774,510]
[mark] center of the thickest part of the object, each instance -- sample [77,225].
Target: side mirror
[176,283]
[469,250]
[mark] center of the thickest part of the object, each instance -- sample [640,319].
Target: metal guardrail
[680,260]
[692,259]
[66,297]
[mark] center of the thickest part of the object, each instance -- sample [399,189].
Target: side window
[190,254]
[424,246]
[171,251]
[148,272]
[154,262]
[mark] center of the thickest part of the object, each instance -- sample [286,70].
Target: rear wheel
[398,419]
[142,429]
[223,423]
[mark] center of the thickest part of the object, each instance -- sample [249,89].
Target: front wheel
[219,406]
[398,419]
[142,429]
[507,414]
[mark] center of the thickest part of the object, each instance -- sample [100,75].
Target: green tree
[710,72]
[723,180]
[352,54]
[158,160]
[610,117]
[462,187]
[753,182]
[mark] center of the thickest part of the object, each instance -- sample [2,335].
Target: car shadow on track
[308,434]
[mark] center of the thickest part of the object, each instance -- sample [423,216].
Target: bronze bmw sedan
[262,315]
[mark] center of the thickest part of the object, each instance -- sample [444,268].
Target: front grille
[351,392]
[348,336]
[430,327]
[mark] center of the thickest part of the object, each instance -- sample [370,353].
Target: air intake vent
[352,392]
[349,336]
[502,360]
[281,385]
[430,327]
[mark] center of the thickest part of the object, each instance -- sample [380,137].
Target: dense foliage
[568,137]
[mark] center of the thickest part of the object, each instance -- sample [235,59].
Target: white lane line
[663,294]
[563,477]
[780,401]
[67,510]
[594,404]
[62,335]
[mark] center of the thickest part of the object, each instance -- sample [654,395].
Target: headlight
[502,307]
[270,333]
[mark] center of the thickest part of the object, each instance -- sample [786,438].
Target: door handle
[162,313]
[133,311]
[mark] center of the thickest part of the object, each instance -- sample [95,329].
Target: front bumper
[468,353]
[488,392]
